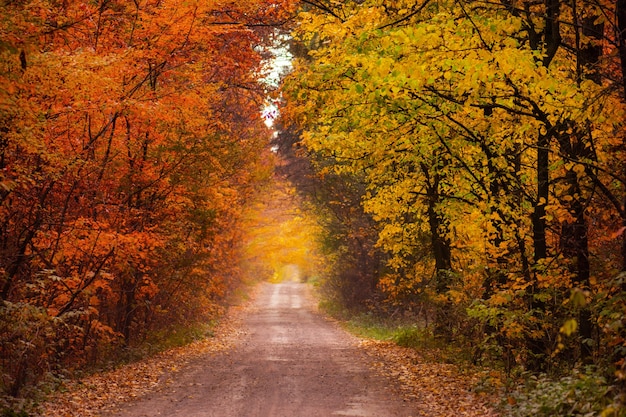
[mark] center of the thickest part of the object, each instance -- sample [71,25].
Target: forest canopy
[468,159]
[131,138]
[485,142]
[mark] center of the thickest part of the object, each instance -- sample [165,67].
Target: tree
[485,129]
[130,138]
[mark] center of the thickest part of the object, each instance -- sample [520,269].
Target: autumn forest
[131,139]
[464,164]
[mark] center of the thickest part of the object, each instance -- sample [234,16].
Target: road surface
[291,363]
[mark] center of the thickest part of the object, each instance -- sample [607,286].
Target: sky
[278,66]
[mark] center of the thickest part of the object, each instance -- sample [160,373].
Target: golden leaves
[440,389]
[104,391]
[446,117]
[282,237]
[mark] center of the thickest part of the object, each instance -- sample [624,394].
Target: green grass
[182,336]
[402,331]
[368,325]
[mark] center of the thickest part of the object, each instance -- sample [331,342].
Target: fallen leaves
[439,389]
[102,392]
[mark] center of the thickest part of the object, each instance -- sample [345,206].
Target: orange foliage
[130,136]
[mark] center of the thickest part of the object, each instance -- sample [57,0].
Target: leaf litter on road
[438,389]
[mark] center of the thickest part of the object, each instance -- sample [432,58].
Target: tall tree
[504,107]
[130,138]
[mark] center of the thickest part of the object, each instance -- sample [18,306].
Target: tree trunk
[621,26]
[543,190]
[440,244]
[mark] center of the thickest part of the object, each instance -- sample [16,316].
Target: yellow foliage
[282,236]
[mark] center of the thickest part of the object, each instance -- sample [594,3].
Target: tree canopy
[490,140]
[130,140]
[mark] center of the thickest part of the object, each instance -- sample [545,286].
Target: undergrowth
[56,381]
[402,331]
[115,356]
[528,395]
[173,338]
[577,394]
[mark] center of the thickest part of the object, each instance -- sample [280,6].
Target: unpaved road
[290,363]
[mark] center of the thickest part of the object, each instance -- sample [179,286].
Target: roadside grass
[177,337]
[405,332]
[578,393]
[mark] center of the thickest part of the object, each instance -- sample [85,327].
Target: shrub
[575,395]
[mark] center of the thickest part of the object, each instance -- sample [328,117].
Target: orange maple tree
[130,138]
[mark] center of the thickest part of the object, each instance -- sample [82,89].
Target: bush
[409,336]
[575,395]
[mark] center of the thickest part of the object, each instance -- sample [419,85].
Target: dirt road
[291,363]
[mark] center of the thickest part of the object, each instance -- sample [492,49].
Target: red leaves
[127,147]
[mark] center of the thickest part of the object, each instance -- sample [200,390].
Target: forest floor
[274,356]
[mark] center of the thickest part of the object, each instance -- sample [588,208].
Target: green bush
[575,395]
[409,336]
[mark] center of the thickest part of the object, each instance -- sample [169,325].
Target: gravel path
[290,362]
